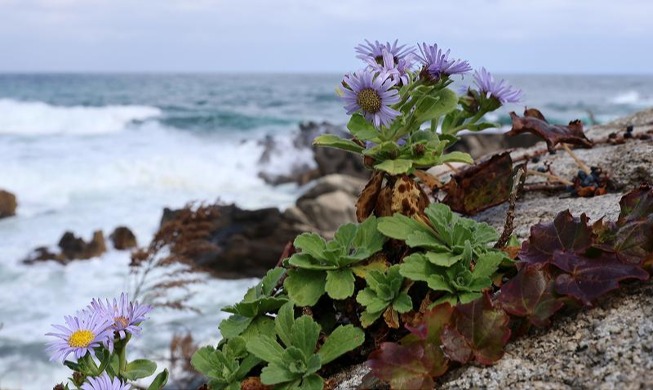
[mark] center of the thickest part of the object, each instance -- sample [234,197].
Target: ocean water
[88,152]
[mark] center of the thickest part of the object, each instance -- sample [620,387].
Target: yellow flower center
[369,100]
[81,338]
[121,322]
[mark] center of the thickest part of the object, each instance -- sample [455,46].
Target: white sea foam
[632,98]
[38,118]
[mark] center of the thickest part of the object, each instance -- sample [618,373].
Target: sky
[505,36]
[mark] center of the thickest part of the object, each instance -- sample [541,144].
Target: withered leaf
[480,186]
[367,199]
[533,122]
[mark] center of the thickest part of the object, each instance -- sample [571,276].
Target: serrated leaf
[530,294]
[342,340]
[304,334]
[266,348]
[305,287]
[283,323]
[400,227]
[443,259]
[311,243]
[376,264]
[204,359]
[367,318]
[422,239]
[139,368]
[306,261]
[261,325]
[333,141]
[402,303]
[312,382]
[368,236]
[362,129]
[275,373]
[340,283]
[271,279]
[395,167]
[487,264]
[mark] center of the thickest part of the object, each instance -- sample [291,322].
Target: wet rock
[123,238]
[8,204]
[71,248]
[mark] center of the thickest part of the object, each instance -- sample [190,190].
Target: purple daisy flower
[374,51]
[393,68]
[104,382]
[124,316]
[500,90]
[372,95]
[84,332]
[438,65]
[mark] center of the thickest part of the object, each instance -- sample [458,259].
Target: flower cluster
[374,91]
[101,332]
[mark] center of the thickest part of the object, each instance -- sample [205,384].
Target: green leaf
[416,267]
[312,382]
[259,326]
[342,340]
[368,318]
[395,167]
[402,303]
[438,283]
[487,264]
[305,287]
[266,348]
[139,368]
[456,157]
[283,323]
[340,283]
[305,332]
[333,141]
[234,325]
[246,366]
[271,279]
[368,236]
[444,259]
[435,105]
[275,373]
[311,244]
[159,381]
[400,227]
[362,129]
[306,261]
[422,239]
[204,360]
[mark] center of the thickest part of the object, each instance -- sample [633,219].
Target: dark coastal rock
[123,238]
[72,248]
[479,145]
[8,204]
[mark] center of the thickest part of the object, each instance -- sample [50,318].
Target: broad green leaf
[368,236]
[306,261]
[416,267]
[400,227]
[294,360]
[487,264]
[313,364]
[362,271]
[340,283]
[246,366]
[333,141]
[435,105]
[304,334]
[283,323]
[444,259]
[234,325]
[275,373]
[438,283]
[422,239]
[395,167]
[342,340]
[456,157]
[271,279]
[204,359]
[305,287]
[266,348]
[362,129]
[139,368]
[159,381]
[311,244]
[344,236]
[368,318]
[312,382]
[261,325]
[402,303]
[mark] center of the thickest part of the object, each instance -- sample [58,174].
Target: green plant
[322,266]
[383,293]
[227,366]
[296,365]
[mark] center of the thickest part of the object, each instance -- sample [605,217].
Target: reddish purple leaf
[533,122]
[431,325]
[530,294]
[567,234]
[636,204]
[483,327]
[404,367]
[456,346]
[588,278]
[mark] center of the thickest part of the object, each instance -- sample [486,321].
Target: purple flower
[85,331]
[438,65]
[104,382]
[124,316]
[396,69]
[489,87]
[374,51]
[371,94]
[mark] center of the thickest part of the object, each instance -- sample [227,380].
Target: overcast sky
[505,36]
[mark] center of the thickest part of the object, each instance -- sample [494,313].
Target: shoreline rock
[8,204]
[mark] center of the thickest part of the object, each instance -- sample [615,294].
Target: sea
[85,152]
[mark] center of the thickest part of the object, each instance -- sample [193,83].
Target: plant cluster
[413,287]
[97,337]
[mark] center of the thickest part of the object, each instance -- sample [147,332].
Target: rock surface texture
[609,346]
[8,204]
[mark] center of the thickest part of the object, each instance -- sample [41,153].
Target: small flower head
[396,69]
[374,51]
[104,382]
[124,316]
[488,87]
[82,333]
[437,64]
[371,94]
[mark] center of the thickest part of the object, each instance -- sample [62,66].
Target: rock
[8,204]
[606,347]
[328,211]
[123,238]
[73,248]
[479,145]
